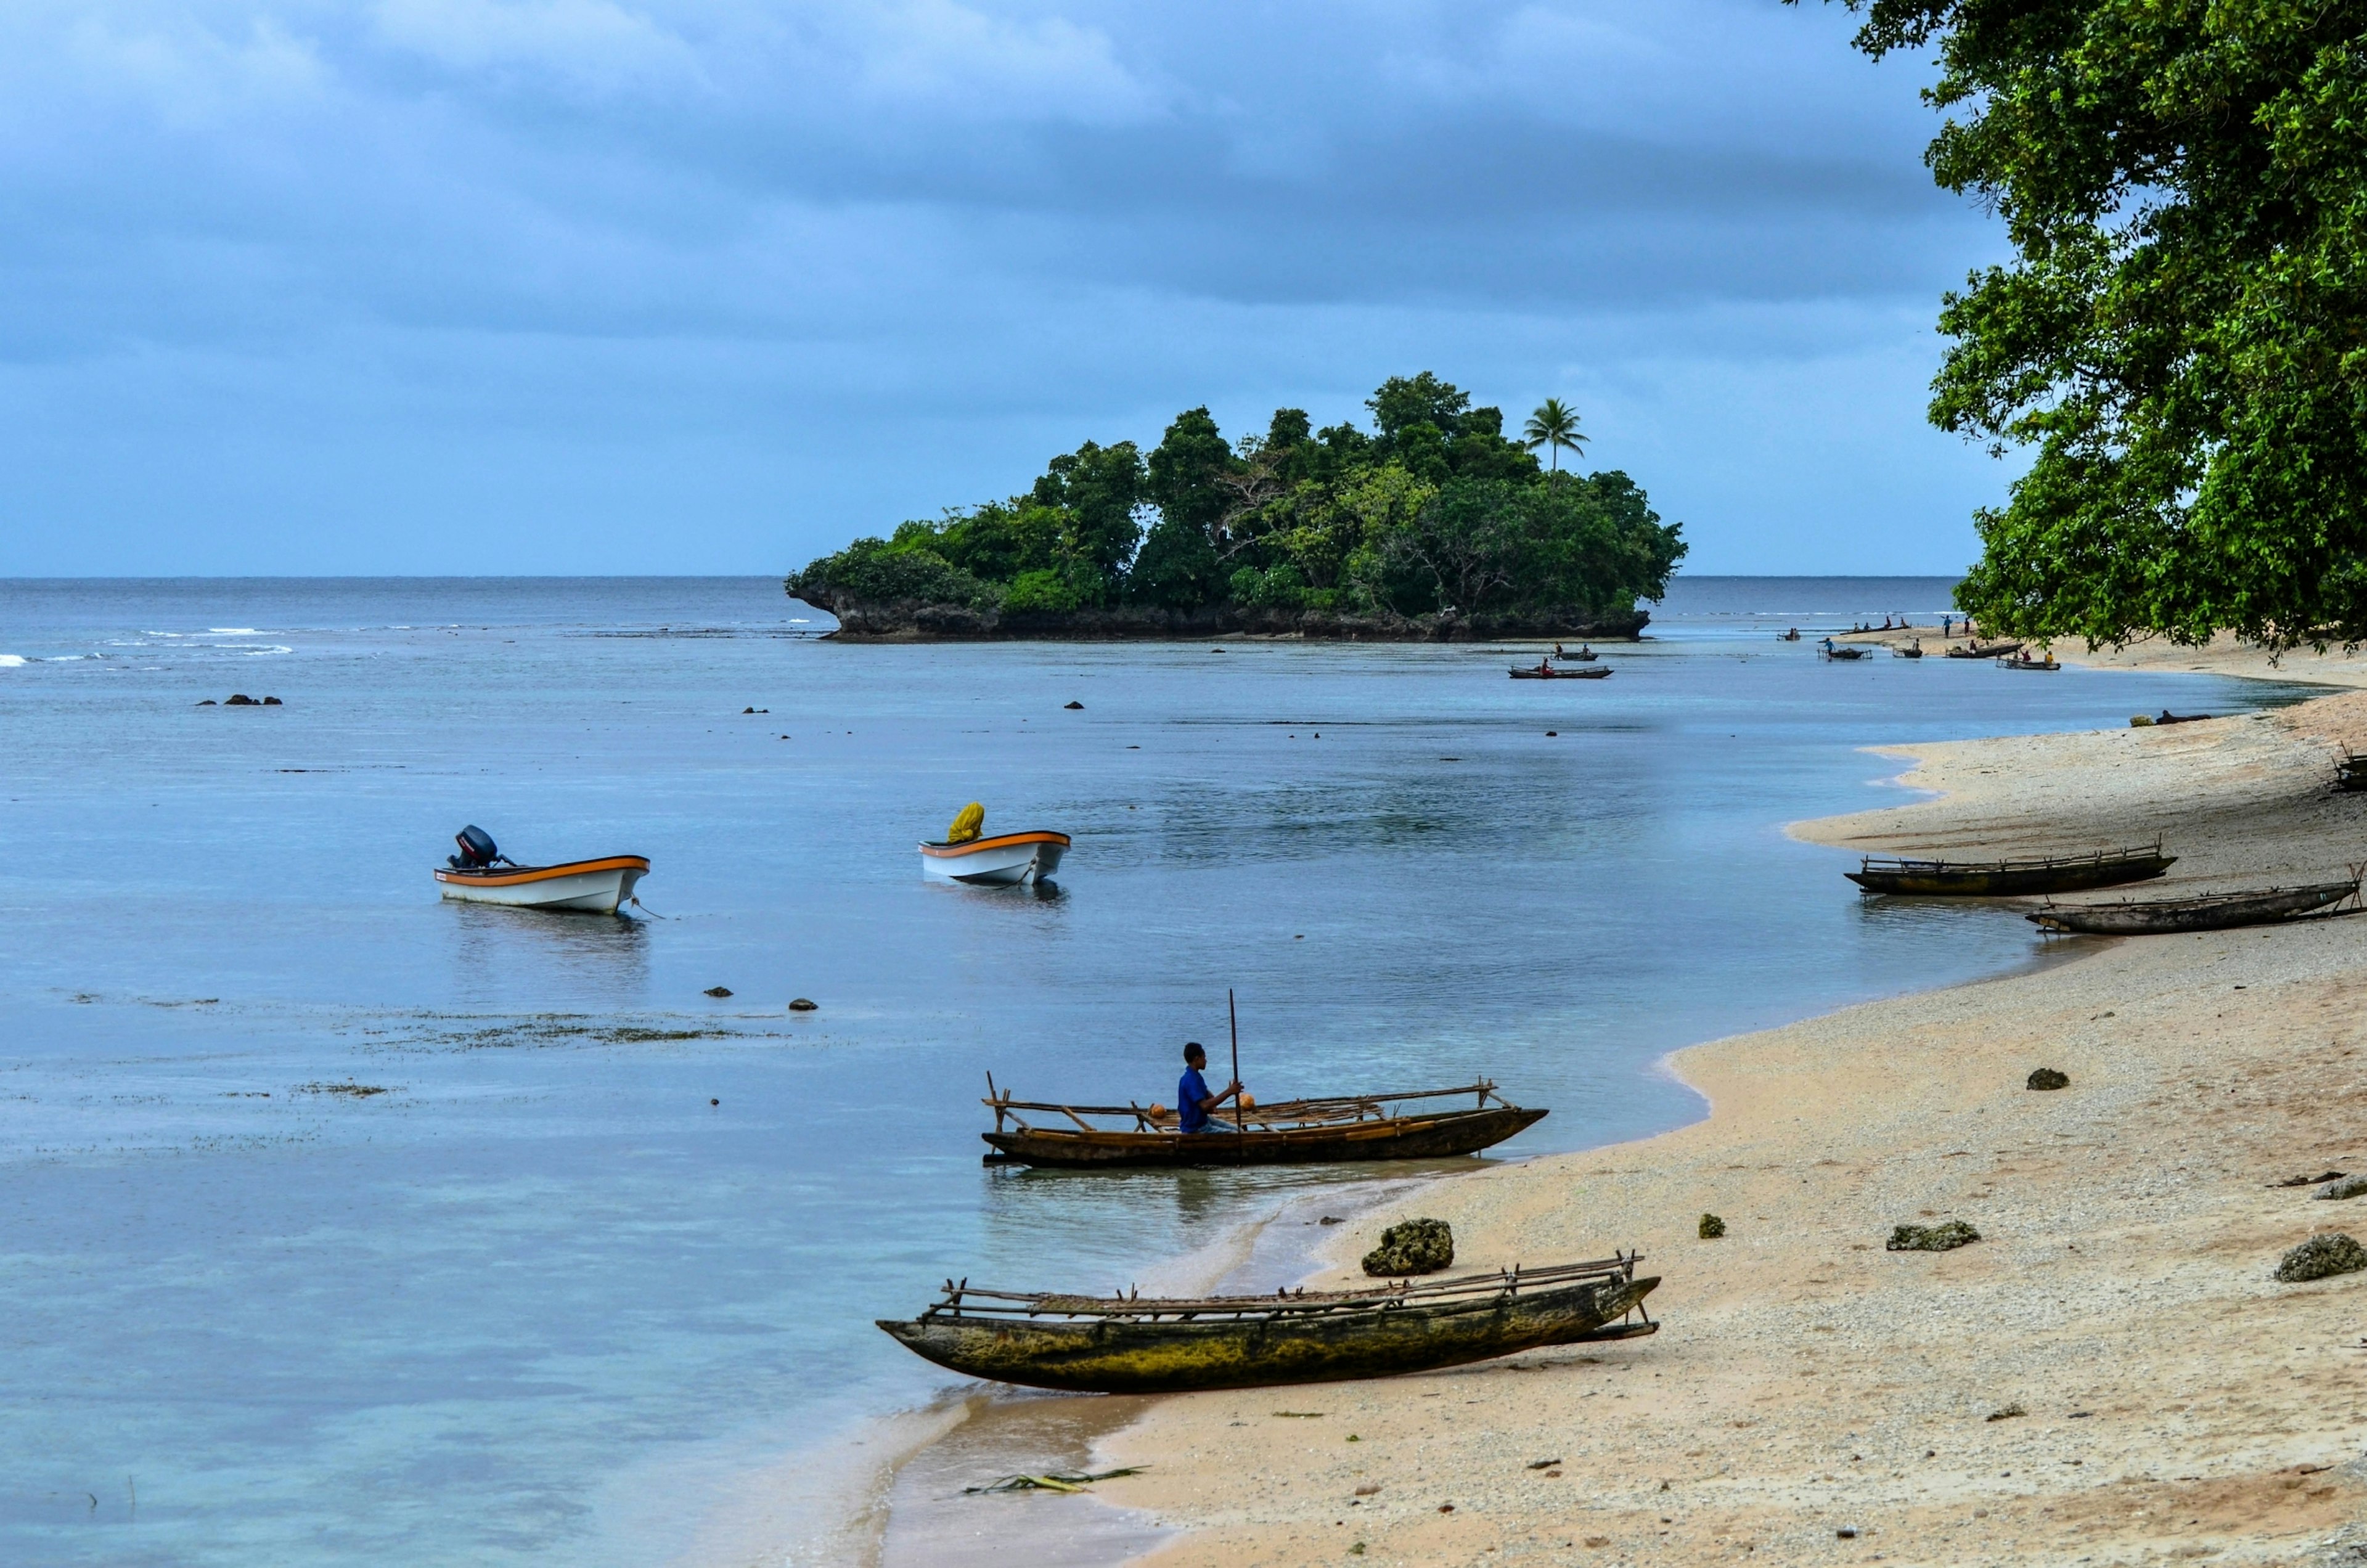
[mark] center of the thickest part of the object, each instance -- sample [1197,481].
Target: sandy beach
[2110,1375]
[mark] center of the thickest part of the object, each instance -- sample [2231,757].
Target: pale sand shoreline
[2180,1404]
[2222,656]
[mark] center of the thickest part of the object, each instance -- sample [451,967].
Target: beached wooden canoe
[1140,1345]
[588,887]
[1291,1131]
[2212,912]
[1547,673]
[1985,650]
[2011,878]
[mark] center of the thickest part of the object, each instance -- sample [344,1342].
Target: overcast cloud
[557,286]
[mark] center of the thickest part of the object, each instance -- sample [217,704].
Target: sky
[359,287]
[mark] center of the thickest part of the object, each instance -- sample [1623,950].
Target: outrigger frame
[960,1298]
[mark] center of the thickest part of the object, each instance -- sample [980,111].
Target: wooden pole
[1232,1016]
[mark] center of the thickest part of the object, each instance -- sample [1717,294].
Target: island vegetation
[2179,340]
[1433,523]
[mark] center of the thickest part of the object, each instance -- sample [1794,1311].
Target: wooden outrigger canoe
[1135,1345]
[2011,878]
[1290,1132]
[1985,650]
[2212,912]
[1547,673]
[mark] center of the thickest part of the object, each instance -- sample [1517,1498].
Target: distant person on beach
[1947,623]
[1193,1101]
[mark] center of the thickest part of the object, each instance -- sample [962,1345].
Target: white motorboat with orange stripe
[1000,858]
[481,873]
[597,886]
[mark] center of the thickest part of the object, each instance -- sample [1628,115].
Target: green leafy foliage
[1435,510]
[877,572]
[2181,336]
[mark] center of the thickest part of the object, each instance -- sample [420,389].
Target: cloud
[1035,219]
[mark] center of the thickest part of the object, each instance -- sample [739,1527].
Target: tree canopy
[1432,511]
[2181,336]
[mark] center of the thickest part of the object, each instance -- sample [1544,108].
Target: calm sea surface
[601,1235]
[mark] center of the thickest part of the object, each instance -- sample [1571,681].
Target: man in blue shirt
[1193,1101]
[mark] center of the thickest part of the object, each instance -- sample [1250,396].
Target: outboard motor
[478,851]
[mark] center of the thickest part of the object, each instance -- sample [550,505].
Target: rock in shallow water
[1946,1236]
[2322,1257]
[1416,1246]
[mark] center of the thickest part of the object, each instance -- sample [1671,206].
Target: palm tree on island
[1553,426]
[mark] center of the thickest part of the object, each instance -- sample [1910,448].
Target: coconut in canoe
[1124,1344]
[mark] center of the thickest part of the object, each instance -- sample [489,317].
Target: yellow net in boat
[967,823]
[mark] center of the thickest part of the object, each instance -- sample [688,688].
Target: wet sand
[2109,1376]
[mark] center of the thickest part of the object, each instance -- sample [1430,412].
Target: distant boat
[1292,1132]
[1984,649]
[1121,1344]
[481,873]
[2009,878]
[2212,912]
[1584,655]
[998,860]
[1547,673]
[1914,651]
[591,887]
[2024,661]
[1834,650]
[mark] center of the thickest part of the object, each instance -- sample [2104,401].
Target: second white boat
[997,861]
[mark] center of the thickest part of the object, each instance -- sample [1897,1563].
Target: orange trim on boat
[999,842]
[522,874]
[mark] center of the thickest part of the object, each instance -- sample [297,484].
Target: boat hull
[1940,881]
[2165,916]
[996,861]
[585,887]
[1396,1138]
[1125,1356]
[1593,673]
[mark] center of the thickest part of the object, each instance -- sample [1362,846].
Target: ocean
[346,1225]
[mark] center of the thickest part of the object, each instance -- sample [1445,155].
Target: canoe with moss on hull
[2211,912]
[1289,1132]
[2009,878]
[1142,1345]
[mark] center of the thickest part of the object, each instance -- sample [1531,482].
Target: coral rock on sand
[2348,1187]
[1712,1227]
[2321,1256]
[1416,1246]
[2047,1077]
[1942,1237]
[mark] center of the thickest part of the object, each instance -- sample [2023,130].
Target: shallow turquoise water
[251,1320]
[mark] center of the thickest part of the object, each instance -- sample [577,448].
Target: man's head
[1192,1055]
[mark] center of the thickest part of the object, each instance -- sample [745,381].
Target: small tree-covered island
[1433,525]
